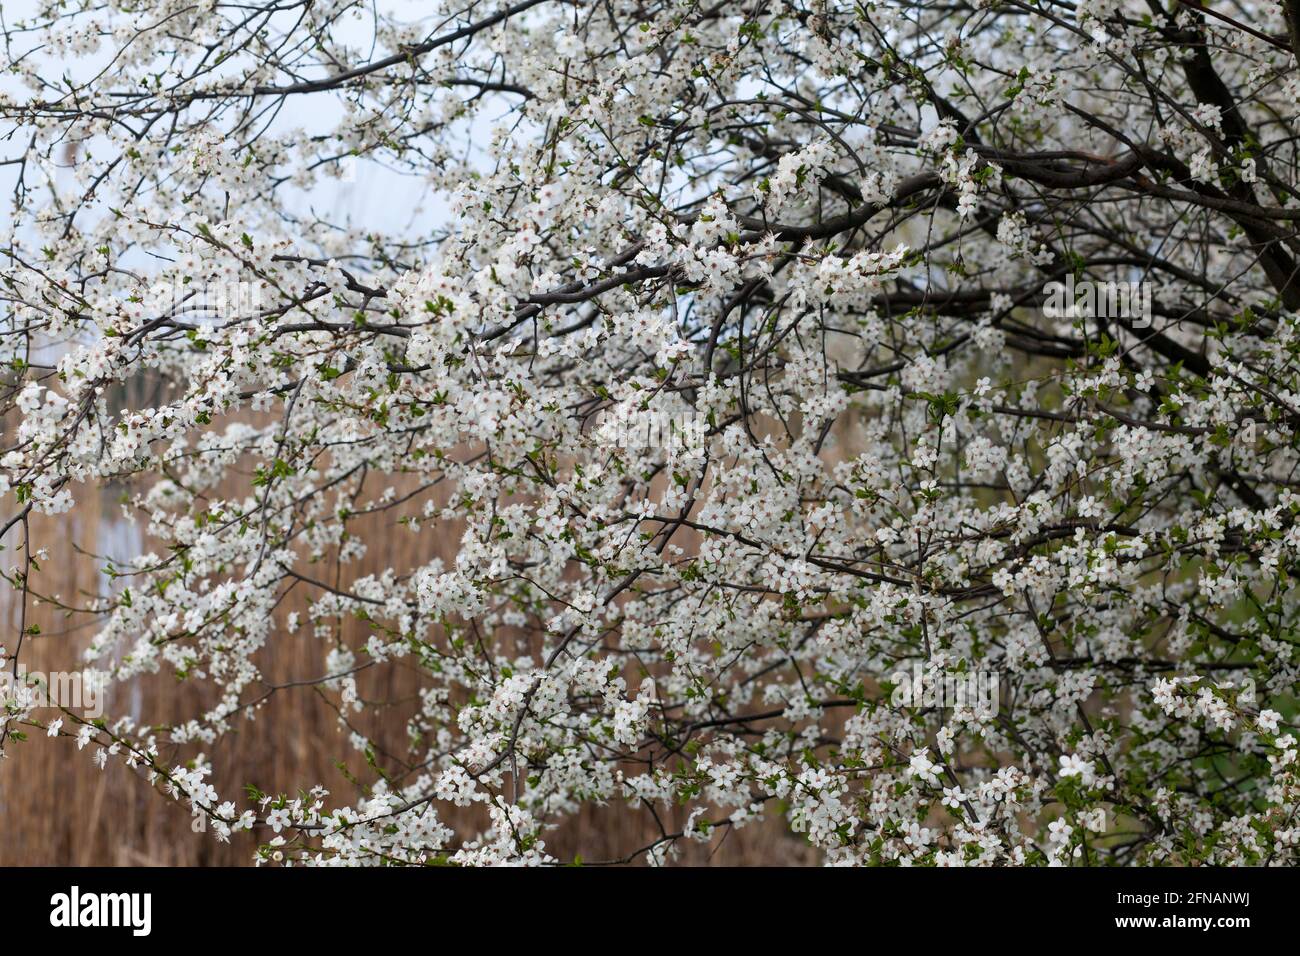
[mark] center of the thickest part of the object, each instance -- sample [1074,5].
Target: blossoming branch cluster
[819,232]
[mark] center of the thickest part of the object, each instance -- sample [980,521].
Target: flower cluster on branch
[725,366]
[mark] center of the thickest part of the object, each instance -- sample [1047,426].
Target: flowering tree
[731,369]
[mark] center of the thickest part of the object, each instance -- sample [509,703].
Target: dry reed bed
[58,808]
